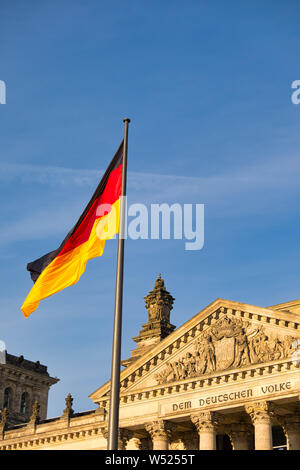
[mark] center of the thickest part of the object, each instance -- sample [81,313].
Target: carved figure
[230,343]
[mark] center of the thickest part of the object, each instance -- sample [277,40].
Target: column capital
[185,440]
[124,435]
[205,421]
[135,443]
[160,428]
[260,412]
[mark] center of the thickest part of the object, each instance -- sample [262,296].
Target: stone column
[205,423]
[160,432]
[291,427]
[240,434]
[261,413]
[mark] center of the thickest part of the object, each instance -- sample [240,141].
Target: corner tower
[22,382]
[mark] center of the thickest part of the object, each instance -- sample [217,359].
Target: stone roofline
[292,306]
[86,423]
[19,361]
[19,366]
[56,419]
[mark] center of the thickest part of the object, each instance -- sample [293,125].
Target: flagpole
[113,424]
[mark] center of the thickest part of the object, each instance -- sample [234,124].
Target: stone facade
[226,379]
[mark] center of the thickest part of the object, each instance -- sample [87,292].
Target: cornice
[206,382]
[34,441]
[57,432]
[11,370]
[295,304]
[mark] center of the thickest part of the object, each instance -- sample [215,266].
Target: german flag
[99,221]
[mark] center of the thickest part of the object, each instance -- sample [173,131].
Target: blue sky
[207,85]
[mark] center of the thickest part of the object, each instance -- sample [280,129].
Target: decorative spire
[68,411]
[159,303]
[4,416]
[35,416]
[3,422]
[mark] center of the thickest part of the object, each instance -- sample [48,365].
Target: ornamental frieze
[229,343]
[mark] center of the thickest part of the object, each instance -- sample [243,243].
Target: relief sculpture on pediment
[229,343]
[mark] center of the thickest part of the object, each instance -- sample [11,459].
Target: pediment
[224,336]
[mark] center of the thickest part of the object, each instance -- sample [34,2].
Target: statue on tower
[159,302]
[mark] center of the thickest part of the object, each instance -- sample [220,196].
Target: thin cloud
[271,172]
[39,225]
[49,175]
[251,190]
